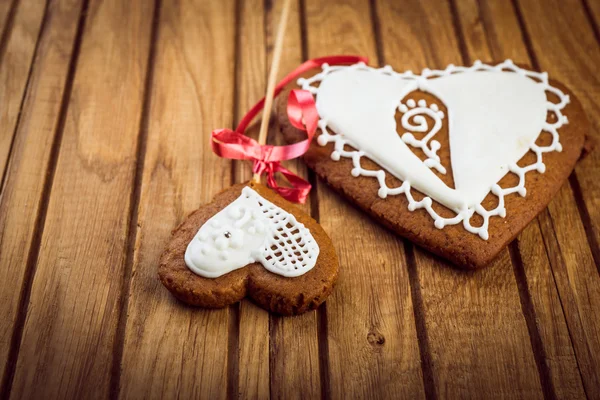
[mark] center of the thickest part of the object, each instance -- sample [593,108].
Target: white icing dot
[335,156]
[483,234]
[355,172]
[260,228]
[408,137]
[435,145]
[422,103]
[411,103]
[235,212]
[322,140]
[237,241]
[382,192]
[221,243]
[403,108]
[559,147]
[439,223]
[434,107]
[541,168]
[522,191]
[502,212]
[202,235]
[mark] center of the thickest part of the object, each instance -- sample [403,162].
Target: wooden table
[105,112]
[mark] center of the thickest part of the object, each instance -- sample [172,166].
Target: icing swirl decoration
[495,115]
[252,229]
[414,120]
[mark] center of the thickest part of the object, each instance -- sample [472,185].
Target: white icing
[495,115]
[413,119]
[252,229]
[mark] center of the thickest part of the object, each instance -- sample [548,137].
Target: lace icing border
[462,215]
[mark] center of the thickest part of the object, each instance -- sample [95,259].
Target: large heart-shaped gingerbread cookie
[251,242]
[457,160]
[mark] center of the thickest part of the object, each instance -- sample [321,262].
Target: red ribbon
[302,114]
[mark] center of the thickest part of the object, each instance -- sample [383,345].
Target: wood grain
[23,195]
[461,308]
[171,349]
[491,32]
[104,149]
[16,58]
[251,70]
[73,310]
[285,349]
[294,358]
[564,45]
[370,326]
[7,11]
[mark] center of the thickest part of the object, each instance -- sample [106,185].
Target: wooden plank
[253,340]
[171,350]
[370,326]
[556,346]
[15,60]
[477,333]
[592,8]
[294,349]
[21,201]
[491,32]
[575,48]
[72,314]
[7,11]
[285,349]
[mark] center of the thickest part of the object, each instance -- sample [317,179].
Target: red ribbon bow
[302,114]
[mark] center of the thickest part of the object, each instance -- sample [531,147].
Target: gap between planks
[591,19]
[413,279]
[236,310]
[528,310]
[139,166]
[3,44]
[322,320]
[573,180]
[525,299]
[10,18]
[32,257]
[234,314]
[134,204]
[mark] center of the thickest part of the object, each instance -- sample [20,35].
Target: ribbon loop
[302,114]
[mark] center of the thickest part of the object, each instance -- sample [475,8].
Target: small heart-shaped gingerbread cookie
[457,160]
[251,242]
